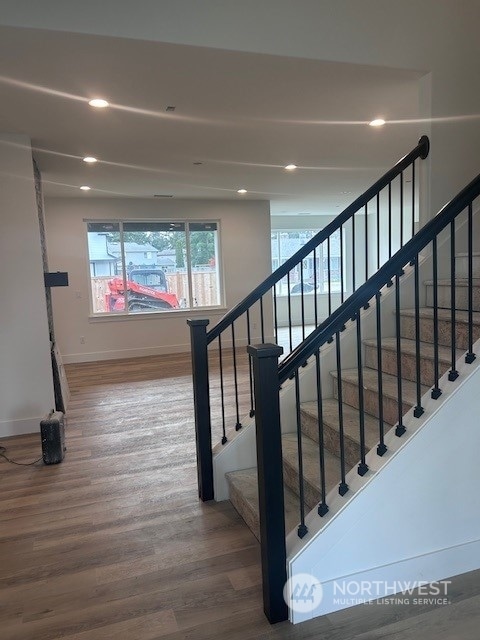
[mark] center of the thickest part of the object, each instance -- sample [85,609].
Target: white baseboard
[120,354]
[432,567]
[20,427]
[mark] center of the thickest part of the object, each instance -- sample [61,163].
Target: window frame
[321,256]
[189,269]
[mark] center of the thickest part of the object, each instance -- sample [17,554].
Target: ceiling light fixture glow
[378,122]
[98,103]
[241,191]
[90,160]
[85,188]
[291,167]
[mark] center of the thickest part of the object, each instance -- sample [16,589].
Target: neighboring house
[136,255]
[166,260]
[102,262]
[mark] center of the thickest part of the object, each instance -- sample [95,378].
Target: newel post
[270,478]
[201,401]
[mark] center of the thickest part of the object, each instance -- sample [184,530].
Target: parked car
[307,287]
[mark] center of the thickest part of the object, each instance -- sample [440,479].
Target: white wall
[245,247]
[26,388]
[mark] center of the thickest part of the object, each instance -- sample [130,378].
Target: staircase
[243,484]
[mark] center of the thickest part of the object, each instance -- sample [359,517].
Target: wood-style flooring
[114,544]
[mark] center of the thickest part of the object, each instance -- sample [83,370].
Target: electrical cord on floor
[3,451]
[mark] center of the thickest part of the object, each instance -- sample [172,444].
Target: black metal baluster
[238,425]
[343,486]
[418,410]
[381,448]
[222,392]
[453,373]
[262,325]
[413,198]
[362,467]
[250,364]
[366,243]
[302,528]
[289,313]
[322,507]
[342,292]
[315,285]
[302,300]
[353,253]
[400,429]
[329,279]
[275,312]
[389,219]
[470,356]
[378,231]
[401,209]
[436,391]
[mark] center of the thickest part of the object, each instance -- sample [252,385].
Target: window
[286,243]
[153,266]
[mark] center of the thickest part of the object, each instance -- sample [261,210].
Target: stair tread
[311,465]
[351,420]
[409,347]
[245,483]
[389,382]
[443,314]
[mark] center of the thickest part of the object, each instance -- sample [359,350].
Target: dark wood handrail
[420,151]
[336,321]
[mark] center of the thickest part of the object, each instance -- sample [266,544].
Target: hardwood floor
[113,542]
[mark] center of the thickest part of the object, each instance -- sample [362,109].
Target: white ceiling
[243,116]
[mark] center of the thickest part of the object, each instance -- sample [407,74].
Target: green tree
[202,247]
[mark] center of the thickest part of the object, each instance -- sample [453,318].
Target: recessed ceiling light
[98,103]
[242,191]
[291,167]
[85,188]
[378,122]
[90,160]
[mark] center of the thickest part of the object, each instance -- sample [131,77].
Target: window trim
[185,222]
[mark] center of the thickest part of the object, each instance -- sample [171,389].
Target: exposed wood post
[270,478]
[201,401]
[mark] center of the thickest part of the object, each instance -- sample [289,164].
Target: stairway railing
[453,320]
[377,223]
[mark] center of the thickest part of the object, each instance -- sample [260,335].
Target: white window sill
[203,312]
